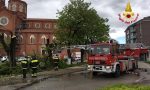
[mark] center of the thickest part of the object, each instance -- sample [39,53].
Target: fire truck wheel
[117,72]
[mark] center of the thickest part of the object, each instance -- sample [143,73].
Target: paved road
[80,81]
[144,73]
[143,65]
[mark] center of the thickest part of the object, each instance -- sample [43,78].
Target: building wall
[139,31]
[146,32]
[11,19]
[38,27]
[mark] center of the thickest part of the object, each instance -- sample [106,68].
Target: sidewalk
[144,69]
[17,83]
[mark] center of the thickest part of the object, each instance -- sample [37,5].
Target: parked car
[4,58]
[20,58]
[55,56]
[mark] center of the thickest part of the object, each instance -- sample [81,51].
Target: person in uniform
[24,64]
[34,63]
[56,61]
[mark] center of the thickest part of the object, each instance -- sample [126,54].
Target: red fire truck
[114,58]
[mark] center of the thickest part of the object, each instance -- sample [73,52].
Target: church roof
[40,19]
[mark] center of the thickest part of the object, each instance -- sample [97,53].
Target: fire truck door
[130,64]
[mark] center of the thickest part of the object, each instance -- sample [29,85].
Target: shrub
[45,64]
[4,68]
[16,70]
[62,64]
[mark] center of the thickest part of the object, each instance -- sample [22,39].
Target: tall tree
[9,46]
[79,23]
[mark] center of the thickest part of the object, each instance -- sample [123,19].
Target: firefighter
[56,61]
[24,64]
[56,65]
[34,63]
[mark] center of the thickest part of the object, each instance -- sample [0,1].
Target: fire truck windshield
[99,49]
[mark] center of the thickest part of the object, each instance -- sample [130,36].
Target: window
[37,25]
[32,39]
[4,20]
[127,32]
[28,25]
[21,39]
[55,26]
[47,26]
[21,8]
[99,49]
[14,7]
[43,38]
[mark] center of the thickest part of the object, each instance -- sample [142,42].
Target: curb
[44,78]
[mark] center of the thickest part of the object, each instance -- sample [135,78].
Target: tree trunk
[13,51]
[82,55]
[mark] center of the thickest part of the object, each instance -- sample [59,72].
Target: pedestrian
[33,64]
[24,64]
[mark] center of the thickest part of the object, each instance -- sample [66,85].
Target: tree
[78,23]
[9,46]
[50,48]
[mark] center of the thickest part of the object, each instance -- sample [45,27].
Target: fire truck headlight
[108,67]
[90,67]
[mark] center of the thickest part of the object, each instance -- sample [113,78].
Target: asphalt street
[81,81]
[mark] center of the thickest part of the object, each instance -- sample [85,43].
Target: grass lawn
[126,87]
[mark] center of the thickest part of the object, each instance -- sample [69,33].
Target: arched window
[21,39]
[43,38]
[37,25]
[32,39]
[21,8]
[28,25]
[55,26]
[14,7]
[47,26]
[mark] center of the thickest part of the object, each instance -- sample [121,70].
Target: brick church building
[33,32]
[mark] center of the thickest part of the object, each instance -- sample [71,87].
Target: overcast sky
[105,8]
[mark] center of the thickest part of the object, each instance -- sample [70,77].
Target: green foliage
[45,64]
[78,23]
[127,87]
[147,61]
[62,64]
[4,68]
[16,70]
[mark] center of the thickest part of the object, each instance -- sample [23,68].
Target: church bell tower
[18,6]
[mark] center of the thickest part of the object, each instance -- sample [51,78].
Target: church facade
[33,32]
